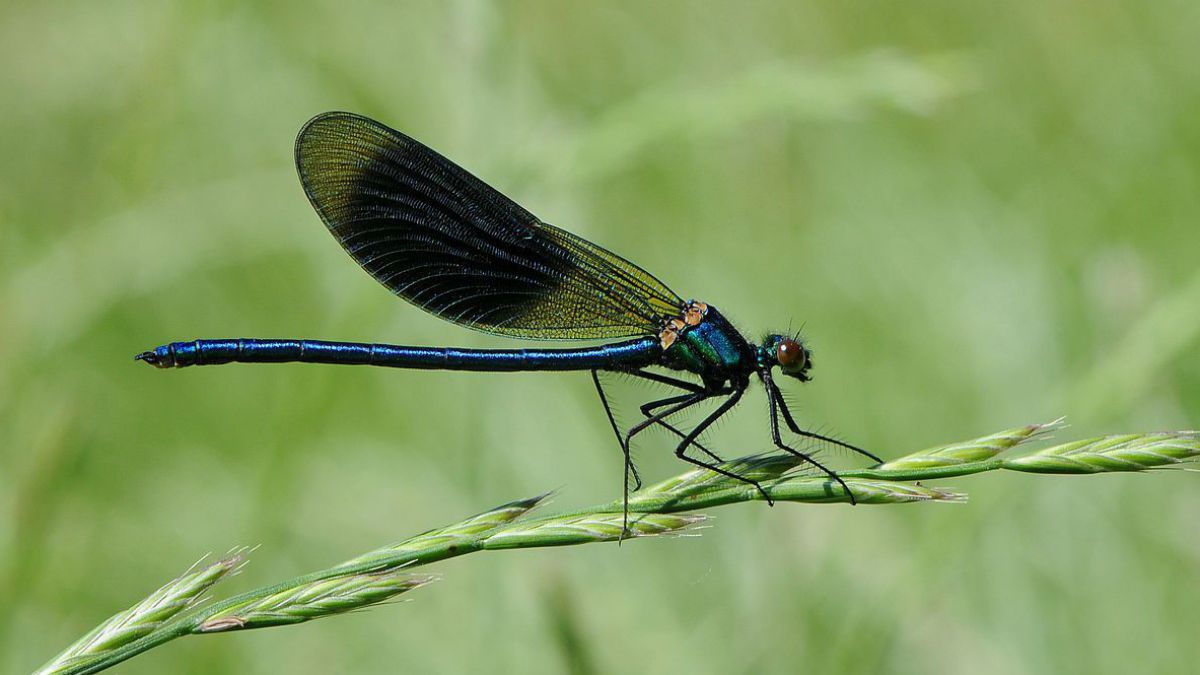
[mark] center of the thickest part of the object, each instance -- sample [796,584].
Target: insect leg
[648,409]
[683,402]
[667,379]
[775,436]
[680,451]
[777,396]
[674,405]
[630,469]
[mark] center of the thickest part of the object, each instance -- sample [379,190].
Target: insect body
[444,240]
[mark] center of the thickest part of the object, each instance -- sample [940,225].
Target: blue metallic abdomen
[628,355]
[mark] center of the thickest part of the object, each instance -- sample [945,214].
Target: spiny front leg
[778,439]
[777,397]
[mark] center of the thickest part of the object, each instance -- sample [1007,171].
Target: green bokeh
[983,214]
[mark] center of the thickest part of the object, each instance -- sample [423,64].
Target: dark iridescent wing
[449,243]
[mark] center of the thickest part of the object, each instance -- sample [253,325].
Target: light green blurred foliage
[982,214]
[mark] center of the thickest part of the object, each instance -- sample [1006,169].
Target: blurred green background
[984,215]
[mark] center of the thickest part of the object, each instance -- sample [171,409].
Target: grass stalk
[666,508]
[147,616]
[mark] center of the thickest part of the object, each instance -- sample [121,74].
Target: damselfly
[444,240]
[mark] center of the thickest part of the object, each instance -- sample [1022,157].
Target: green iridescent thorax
[712,348]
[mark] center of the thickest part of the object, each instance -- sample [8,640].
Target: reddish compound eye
[791,355]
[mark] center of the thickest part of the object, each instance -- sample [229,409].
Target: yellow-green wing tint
[447,242]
